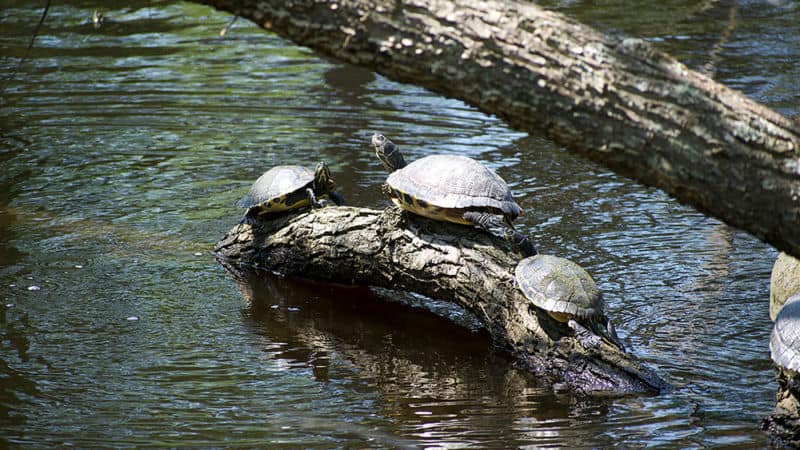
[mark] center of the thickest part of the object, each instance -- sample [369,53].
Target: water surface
[125,147]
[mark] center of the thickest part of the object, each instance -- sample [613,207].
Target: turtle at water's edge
[783,424]
[569,295]
[286,188]
[784,341]
[451,188]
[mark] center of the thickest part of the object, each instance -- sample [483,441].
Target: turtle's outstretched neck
[388,153]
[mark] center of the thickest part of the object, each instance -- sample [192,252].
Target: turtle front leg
[520,240]
[491,222]
[315,202]
[585,337]
[386,190]
[312,199]
[249,216]
[611,333]
[591,339]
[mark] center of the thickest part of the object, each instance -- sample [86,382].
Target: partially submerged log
[464,265]
[783,425]
[621,103]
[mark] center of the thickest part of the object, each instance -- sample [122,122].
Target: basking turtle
[568,294]
[784,342]
[284,188]
[451,188]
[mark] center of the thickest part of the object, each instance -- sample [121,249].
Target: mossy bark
[461,264]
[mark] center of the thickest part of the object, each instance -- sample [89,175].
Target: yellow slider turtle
[451,188]
[784,342]
[285,188]
[569,295]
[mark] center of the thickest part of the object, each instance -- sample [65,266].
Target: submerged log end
[463,265]
[603,372]
[783,425]
[783,429]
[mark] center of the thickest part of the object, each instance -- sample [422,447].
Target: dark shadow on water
[432,377]
[349,83]
[17,388]
[313,316]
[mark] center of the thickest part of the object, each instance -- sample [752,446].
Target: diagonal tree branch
[622,103]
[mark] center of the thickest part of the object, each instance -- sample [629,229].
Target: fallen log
[619,102]
[456,263]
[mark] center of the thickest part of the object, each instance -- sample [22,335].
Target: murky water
[125,148]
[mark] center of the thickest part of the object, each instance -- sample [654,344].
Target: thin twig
[709,68]
[27,51]
[225,30]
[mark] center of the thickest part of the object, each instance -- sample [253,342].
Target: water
[125,148]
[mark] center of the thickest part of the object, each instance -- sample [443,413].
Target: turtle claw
[586,338]
[590,340]
[386,190]
[334,198]
[312,199]
[612,334]
[250,217]
[520,241]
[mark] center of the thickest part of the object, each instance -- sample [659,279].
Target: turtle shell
[273,191]
[784,342]
[559,286]
[451,182]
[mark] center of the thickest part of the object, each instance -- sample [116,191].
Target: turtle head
[323,182]
[388,153]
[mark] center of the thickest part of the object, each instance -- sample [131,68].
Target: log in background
[619,102]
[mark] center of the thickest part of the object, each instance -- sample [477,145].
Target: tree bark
[621,103]
[464,265]
[783,425]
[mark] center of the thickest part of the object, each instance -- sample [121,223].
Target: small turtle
[451,188]
[784,342]
[568,294]
[284,188]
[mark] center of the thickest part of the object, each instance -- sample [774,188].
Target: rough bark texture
[449,262]
[783,424]
[621,103]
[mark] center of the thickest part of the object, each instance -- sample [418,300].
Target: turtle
[290,187]
[451,188]
[784,341]
[569,295]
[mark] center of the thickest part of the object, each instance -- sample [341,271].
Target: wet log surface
[460,264]
[619,102]
[783,424]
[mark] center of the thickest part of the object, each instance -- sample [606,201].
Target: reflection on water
[125,147]
[456,391]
